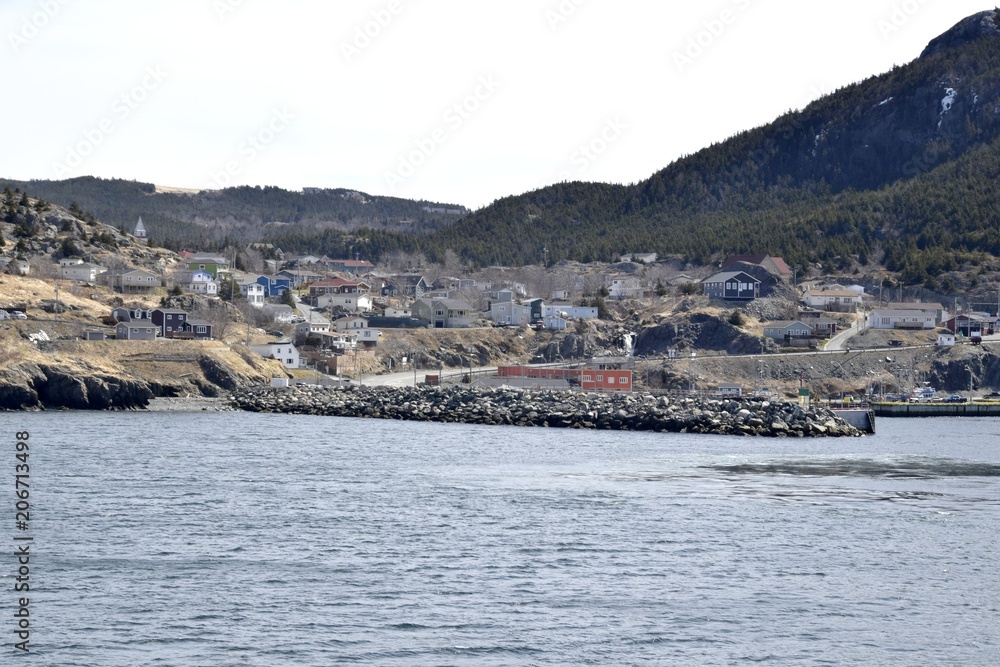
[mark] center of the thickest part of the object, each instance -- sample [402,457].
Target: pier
[991,409]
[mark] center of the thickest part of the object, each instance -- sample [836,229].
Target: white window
[623,380]
[201,329]
[586,378]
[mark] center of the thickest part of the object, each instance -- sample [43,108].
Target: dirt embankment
[947,369]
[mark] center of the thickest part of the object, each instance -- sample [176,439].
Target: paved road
[839,341]
[306,311]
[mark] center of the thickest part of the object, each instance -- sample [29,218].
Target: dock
[991,409]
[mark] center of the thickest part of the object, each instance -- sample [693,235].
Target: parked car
[955,398]
[993,396]
[895,342]
[17,315]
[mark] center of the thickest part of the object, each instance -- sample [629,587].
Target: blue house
[275,285]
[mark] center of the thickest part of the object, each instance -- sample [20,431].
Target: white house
[306,328]
[84,271]
[286,353]
[198,282]
[946,339]
[401,313]
[940,314]
[369,336]
[901,319]
[624,287]
[841,300]
[356,302]
[351,324]
[254,293]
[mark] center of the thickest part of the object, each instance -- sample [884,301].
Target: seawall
[519,407]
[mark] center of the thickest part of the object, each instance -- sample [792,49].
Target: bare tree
[219,314]
[253,260]
[475,297]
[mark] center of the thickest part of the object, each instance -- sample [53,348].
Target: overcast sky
[447,100]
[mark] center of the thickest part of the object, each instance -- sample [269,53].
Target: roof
[199,323]
[779,263]
[138,324]
[837,293]
[452,304]
[297,272]
[170,311]
[727,275]
[407,279]
[338,282]
[781,324]
[896,313]
[125,272]
[280,307]
[362,263]
[915,306]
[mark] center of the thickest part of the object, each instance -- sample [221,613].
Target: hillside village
[72,281]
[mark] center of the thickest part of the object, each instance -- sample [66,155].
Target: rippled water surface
[237,539]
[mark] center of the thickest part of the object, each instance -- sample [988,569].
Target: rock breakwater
[519,407]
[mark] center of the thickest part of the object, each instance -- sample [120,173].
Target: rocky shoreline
[519,407]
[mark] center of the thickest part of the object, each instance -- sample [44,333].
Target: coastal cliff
[519,407]
[125,375]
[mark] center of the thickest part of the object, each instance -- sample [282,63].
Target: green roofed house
[213,264]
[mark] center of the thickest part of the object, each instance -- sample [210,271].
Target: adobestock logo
[562,12]
[454,118]
[254,145]
[900,15]
[225,7]
[371,30]
[588,153]
[712,30]
[32,25]
[122,109]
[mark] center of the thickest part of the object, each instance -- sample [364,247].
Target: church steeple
[140,229]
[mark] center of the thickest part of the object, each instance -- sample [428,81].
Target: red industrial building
[587,379]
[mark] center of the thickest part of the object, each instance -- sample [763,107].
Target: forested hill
[208,218]
[900,162]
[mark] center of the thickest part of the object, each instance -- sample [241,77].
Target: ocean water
[222,539]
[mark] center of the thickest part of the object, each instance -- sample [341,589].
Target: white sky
[201,77]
